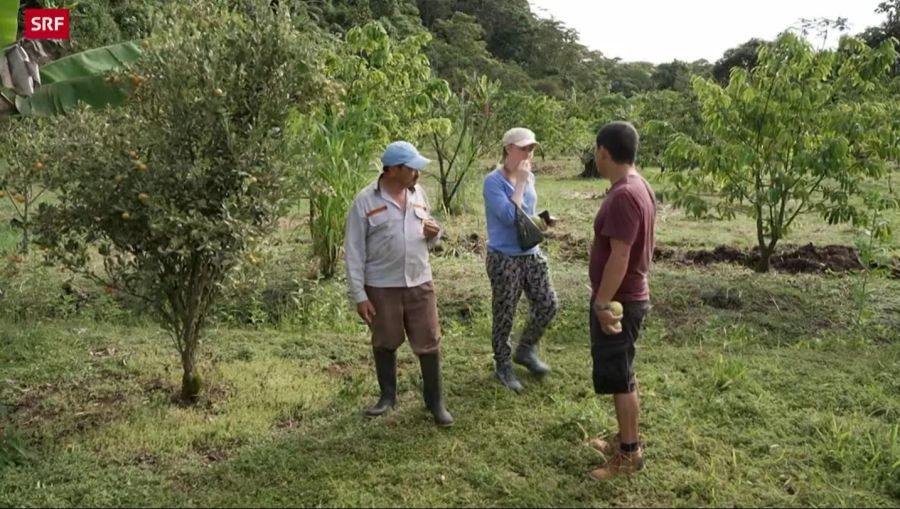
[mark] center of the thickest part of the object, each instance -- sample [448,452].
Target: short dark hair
[621,140]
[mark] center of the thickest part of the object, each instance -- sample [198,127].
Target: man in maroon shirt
[619,265]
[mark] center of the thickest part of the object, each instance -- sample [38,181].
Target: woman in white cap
[512,269]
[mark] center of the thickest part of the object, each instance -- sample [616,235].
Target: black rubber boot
[386,369]
[431,389]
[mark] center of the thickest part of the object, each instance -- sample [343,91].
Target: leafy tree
[803,132]
[545,50]
[556,123]
[890,28]
[458,52]
[675,75]
[631,78]
[743,56]
[659,116]
[701,68]
[399,17]
[598,108]
[175,189]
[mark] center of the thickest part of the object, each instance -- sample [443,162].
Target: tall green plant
[376,89]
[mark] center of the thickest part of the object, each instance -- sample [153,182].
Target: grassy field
[757,390]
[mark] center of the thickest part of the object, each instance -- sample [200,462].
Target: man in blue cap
[389,231]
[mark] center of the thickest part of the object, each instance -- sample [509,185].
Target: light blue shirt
[500,213]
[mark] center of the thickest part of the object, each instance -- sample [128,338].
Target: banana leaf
[64,96]
[91,62]
[9,22]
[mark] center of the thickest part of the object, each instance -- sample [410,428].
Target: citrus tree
[24,170]
[163,197]
[32,87]
[804,132]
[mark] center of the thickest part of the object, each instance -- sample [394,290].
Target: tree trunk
[762,265]
[190,380]
[445,189]
[765,255]
[25,226]
[190,332]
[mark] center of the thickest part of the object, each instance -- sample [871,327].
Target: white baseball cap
[520,137]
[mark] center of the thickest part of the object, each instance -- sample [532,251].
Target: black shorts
[613,356]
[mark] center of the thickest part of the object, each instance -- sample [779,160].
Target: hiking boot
[386,369]
[527,356]
[507,376]
[622,463]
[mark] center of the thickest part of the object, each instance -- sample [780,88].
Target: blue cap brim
[418,163]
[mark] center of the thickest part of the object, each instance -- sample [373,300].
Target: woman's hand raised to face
[523,172]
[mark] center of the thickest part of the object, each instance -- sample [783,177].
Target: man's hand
[610,323]
[366,311]
[431,229]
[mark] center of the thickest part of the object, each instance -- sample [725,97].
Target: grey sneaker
[527,356]
[507,377]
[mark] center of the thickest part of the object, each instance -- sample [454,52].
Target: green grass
[778,398]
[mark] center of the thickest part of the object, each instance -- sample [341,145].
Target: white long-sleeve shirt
[384,245]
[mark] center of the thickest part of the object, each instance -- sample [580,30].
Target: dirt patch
[804,259]
[721,254]
[809,258]
[66,407]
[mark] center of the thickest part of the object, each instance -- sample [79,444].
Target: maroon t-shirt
[628,213]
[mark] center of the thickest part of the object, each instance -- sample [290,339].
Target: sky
[660,31]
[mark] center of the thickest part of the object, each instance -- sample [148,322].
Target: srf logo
[46,23]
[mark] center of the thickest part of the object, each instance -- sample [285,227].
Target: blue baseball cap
[403,152]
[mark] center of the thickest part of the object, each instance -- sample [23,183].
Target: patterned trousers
[510,276]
